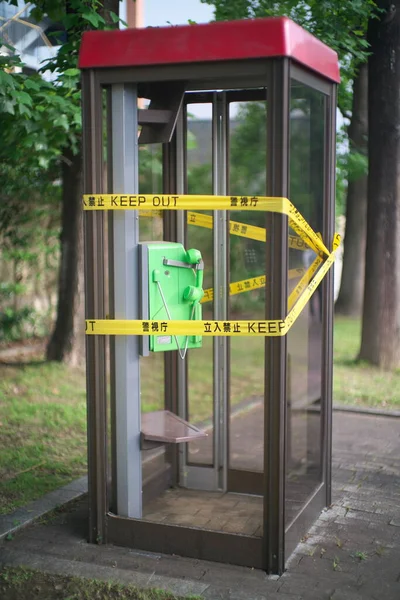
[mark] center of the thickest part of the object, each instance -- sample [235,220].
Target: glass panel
[200,360]
[247,173]
[151,229]
[152,366]
[307,137]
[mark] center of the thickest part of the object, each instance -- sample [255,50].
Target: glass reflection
[151,229]
[247,177]
[200,360]
[307,133]
[152,366]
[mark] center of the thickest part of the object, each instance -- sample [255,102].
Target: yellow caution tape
[300,287]
[251,232]
[235,228]
[247,285]
[312,286]
[200,202]
[278,327]
[150,213]
[195,328]
[200,220]
[179,202]
[238,287]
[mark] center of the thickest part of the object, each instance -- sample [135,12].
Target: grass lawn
[19,583]
[42,430]
[43,411]
[356,383]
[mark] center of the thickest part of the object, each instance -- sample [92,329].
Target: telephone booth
[214,446]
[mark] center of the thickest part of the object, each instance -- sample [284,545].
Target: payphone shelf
[167,428]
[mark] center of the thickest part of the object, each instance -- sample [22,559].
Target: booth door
[308,414]
[222,388]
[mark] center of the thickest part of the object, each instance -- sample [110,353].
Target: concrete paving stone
[326,516]
[244,595]
[231,593]
[248,499]
[254,527]
[178,510]
[308,590]
[380,590]
[216,523]
[202,522]
[240,525]
[327,551]
[179,587]
[156,517]
[346,593]
[385,567]
[220,573]
[221,514]
[8,524]
[23,514]
[124,561]
[182,519]
[360,505]
[30,544]
[365,517]
[79,485]
[215,593]
[326,567]
[246,510]
[388,509]
[358,541]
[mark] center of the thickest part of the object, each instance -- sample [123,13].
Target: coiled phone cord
[182,355]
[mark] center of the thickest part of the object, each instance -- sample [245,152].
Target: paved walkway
[351,553]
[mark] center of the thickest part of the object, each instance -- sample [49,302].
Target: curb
[86,570]
[367,411]
[25,515]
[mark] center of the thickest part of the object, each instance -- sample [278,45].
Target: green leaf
[22,97]
[31,84]
[93,18]
[36,14]
[61,121]
[24,110]
[72,72]
[114,17]
[8,107]
[43,162]
[6,79]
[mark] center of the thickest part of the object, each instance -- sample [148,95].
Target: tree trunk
[67,343]
[62,345]
[350,299]
[380,342]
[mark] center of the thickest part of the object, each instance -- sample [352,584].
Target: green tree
[341,25]
[351,295]
[380,343]
[50,122]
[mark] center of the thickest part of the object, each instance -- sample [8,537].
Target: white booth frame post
[125,179]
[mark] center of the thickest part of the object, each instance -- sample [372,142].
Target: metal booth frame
[241,59]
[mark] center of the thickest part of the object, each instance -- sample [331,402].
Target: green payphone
[172,287]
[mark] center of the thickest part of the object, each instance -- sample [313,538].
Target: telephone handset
[193,260]
[194,293]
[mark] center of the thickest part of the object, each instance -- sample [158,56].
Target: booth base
[215,511]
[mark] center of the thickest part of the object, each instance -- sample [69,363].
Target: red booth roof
[209,42]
